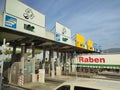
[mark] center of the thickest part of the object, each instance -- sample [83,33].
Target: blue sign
[58,37]
[10,22]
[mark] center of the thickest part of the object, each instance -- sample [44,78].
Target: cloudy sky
[98,20]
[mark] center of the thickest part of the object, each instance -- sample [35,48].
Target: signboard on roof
[90,45]
[10,22]
[63,30]
[20,25]
[24,12]
[80,41]
[63,34]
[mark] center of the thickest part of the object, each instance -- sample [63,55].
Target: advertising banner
[20,25]
[22,11]
[80,41]
[63,34]
[111,60]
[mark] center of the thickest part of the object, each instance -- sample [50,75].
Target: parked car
[89,84]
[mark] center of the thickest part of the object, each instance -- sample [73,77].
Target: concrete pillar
[69,61]
[61,62]
[33,63]
[13,54]
[64,63]
[22,58]
[50,52]
[58,59]
[52,66]
[44,55]
[61,57]
[58,68]
[73,60]
[1,72]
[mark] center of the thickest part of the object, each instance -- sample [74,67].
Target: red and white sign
[91,60]
[107,59]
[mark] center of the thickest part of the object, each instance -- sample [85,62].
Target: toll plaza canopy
[24,25]
[18,38]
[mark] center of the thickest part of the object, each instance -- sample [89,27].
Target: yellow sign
[80,41]
[90,45]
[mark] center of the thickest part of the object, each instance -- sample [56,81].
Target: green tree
[18,51]
[37,51]
[29,53]
[8,51]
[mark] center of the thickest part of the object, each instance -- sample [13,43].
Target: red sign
[91,60]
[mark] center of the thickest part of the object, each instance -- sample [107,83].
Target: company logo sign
[29,27]
[28,14]
[64,31]
[10,22]
[64,39]
[91,60]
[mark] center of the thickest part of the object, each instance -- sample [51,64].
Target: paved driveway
[8,87]
[45,86]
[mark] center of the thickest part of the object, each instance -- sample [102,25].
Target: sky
[97,20]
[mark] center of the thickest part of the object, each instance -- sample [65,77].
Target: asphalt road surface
[8,87]
[36,86]
[45,86]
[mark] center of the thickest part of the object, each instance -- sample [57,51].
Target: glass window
[83,88]
[66,87]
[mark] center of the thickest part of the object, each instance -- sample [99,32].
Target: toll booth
[1,71]
[16,75]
